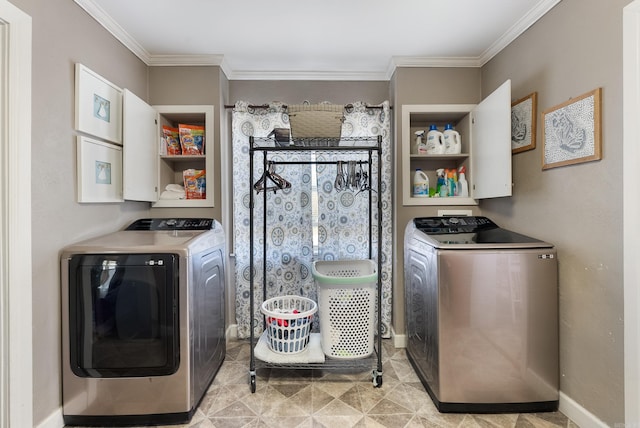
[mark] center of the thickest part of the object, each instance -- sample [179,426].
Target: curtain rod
[285,106]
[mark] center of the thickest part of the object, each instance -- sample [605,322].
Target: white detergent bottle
[435,141]
[452,143]
[420,188]
[421,145]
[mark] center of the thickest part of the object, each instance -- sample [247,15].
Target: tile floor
[321,398]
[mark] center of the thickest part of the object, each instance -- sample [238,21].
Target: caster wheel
[253,384]
[378,382]
[376,378]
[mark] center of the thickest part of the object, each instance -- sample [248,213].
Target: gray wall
[575,48]
[195,86]
[421,86]
[62,35]
[296,91]
[226,191]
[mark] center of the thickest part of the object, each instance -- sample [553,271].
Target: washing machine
[143,322]
[481,315]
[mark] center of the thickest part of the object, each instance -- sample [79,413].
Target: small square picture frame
[98,105]
[99,171]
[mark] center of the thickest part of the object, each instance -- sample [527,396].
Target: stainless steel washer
[482,315]
[143,324]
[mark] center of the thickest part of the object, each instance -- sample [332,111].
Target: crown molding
[416,61]
[307,75]
[517,29]
[181,60]
[397,61]
[104,19]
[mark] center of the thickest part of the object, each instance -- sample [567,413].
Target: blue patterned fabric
[342,215]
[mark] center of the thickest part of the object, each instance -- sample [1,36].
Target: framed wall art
[98,105]
[572,131]
[523,123]
[99,171]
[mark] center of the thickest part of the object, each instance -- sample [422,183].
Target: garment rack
[372,145]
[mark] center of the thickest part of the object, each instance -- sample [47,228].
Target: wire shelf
[343,143]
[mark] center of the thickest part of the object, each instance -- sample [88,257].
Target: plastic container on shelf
[421,145]
[435,141]
[346,307]
[420,187]
[452,142]
[288,320]
[463,185]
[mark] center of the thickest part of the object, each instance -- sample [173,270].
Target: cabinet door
[140,149]
[491,145]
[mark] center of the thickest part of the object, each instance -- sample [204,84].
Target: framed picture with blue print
[99,171]
[98,105]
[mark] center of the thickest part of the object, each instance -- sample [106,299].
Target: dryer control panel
[172,224]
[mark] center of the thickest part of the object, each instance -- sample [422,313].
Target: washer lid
[472,233]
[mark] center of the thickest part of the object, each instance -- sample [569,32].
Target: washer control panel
[172,224]
[444,225]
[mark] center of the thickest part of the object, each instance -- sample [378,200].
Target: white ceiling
[323,39]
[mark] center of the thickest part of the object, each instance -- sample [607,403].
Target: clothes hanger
[340,182]
[269,175]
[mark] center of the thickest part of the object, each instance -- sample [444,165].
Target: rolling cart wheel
[377,378]
[253,384]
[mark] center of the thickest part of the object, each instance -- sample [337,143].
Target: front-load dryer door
[122,319]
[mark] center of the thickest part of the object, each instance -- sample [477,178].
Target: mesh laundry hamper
[346,307]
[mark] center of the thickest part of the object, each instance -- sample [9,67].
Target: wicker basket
[316,124]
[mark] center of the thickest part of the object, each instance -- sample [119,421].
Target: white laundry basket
[346,307]
[288,320]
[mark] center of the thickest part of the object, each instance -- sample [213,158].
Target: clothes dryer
[482,315]
[143,322]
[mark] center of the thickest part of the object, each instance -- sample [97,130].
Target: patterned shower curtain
[342,227]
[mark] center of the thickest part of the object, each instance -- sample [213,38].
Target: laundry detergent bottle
[452,143]
[420,188]
[435,141]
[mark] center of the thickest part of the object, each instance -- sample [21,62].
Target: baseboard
[232,332]
[578,414]
[53,421]
[399,340]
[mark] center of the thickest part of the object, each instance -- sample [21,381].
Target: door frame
[631,210]
[15,220]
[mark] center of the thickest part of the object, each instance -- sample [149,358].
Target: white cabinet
[485,132]
[146,172]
